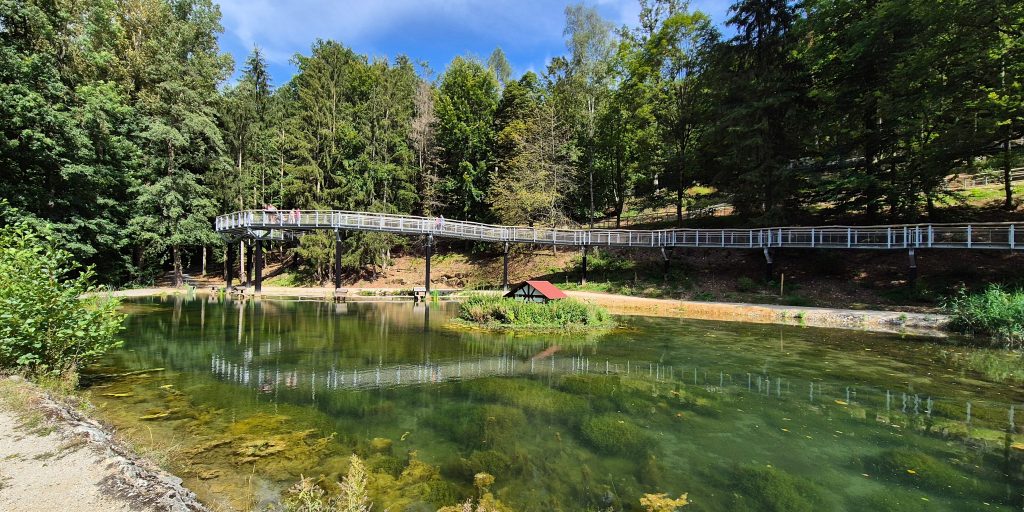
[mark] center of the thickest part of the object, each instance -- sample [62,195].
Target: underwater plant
[616,434]
[769,489]
[662,503]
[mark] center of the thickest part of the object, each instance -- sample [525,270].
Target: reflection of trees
[319,347]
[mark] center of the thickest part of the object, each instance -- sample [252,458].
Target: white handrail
[992,235]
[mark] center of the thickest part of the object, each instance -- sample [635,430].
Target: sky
[435,31]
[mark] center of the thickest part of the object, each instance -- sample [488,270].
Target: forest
[124,134]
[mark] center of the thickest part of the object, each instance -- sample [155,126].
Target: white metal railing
[940,236]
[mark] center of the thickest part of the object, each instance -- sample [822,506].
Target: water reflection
[700,407]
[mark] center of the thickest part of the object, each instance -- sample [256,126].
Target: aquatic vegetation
[529,395]
[478,426]
[994,313]
[501,312]
[308,496]
[912,466]
[419,482]
[380,445]
[769,489]
[616,434]
[662,503]
[486,503]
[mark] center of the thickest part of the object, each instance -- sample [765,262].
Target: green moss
[769,489]
[617,434]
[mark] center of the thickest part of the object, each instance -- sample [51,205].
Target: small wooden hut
[536,291]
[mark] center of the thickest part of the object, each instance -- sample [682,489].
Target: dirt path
[54,458]
[879,321]
[42,470]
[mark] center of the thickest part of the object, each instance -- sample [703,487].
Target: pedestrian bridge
[261,225]
[283,224]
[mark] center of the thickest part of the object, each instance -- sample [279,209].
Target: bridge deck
[266,224]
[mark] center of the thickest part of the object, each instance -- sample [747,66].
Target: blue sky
[528,31]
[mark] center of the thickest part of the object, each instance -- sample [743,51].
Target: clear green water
[742,417]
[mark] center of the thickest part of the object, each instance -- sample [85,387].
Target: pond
[242,398]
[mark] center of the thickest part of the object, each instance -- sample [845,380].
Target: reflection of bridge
[264,225]
[757,385]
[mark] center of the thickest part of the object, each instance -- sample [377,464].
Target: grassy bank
[511,314]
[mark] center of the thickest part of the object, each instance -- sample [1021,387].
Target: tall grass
[507,312]
[995,313]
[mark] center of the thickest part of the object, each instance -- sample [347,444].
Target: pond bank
[926,324]
[53,456]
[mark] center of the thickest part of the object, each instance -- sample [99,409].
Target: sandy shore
[867,320]
[53,458]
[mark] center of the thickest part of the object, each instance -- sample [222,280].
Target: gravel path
[43,470]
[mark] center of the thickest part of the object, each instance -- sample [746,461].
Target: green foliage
[994,313]
[508,312]
[46,327]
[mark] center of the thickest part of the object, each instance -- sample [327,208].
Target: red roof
[545,288]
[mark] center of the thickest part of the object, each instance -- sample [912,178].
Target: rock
[15,378]
[380,445]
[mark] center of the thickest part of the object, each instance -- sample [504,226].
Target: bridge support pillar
[430,249]
[339,238]
[769,265]
[912,277]
[666,260]
[248,263]
[229,266]
[583,267]
[258,270]
[504,269]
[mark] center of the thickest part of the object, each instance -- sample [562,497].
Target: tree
[467,98]
[762,96]
[532,173]
[181,140]
[585,84]
[499,65]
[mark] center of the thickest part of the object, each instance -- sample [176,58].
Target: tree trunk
[203,273]
[1007,184]
[176,256]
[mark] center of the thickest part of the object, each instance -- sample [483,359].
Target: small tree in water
[47,326]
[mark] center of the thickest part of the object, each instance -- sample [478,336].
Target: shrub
[46,325]
[500,311]
[995,312]
[746,285]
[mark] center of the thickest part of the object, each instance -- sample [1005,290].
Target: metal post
[248,263]
[665,261]
[339,237]
[504,269]
[913,266]
[583,266]
[430,247]
[230,263]
[259,266]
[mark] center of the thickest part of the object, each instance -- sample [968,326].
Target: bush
[559,314]
[746,285]
[46,326]
[995,313]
